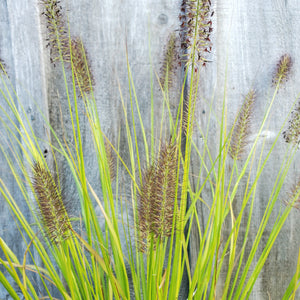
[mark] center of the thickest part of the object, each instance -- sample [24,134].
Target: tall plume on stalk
[170,62]
[292,134]
[81,66]
[189,103]
[195,29]
[283,69]
[58,38]
[295,196]
[111,160]
[53,212]
[157,197]
[70,50]
[241,129]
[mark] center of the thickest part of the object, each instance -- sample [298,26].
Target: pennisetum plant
[92,262]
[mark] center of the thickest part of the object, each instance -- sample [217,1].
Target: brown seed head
[157,197]
[170,62]
[292,134]
[283,69]
[195,29]
[58,38]
[81,66]
[52,208]
[241,129]
[294,196]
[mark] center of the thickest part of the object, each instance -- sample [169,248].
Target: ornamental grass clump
[137,224]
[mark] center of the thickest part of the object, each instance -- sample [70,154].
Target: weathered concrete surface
[249,38]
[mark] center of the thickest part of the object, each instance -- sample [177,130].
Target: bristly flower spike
[283,69]
[294,198]
[157,197]
[292,134]
[81,66]
[170,62]
[70,50]
[241,129]
[53,212]
[58,39]
[195,29]
[111,160]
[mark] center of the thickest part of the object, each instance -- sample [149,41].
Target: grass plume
[52,208]
[170,62]
[81,65]
[157,196]
[195,28]
[283,69]
[295,196]
[58,39]
[62,47]
[111,159]
[242,127]
[292,134]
